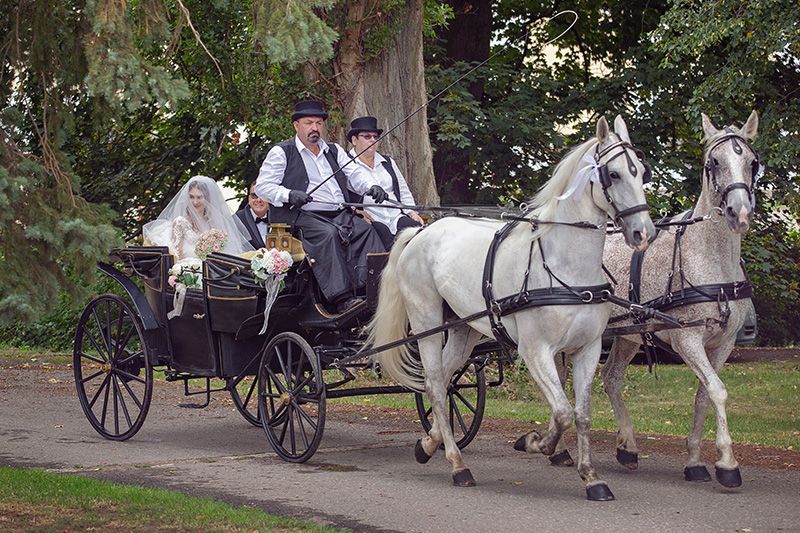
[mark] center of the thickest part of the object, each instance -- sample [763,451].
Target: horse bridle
[606,177]
[712,168]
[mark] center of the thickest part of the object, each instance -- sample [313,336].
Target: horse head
[622,172]
[731,170]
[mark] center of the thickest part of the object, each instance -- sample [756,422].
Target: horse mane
[545,201]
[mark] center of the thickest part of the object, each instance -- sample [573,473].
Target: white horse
[445,263]
[710,253]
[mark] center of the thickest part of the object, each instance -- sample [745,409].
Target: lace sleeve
[179,228]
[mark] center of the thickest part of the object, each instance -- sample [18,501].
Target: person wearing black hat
[336,241]
[254,217]
[382,171]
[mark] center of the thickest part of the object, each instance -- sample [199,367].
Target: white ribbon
[272,285]
[177,301]
[591,172]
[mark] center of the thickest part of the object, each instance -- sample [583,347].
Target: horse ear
[750,128]
[708,127]
[602,129]
[621,129]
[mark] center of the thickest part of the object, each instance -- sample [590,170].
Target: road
[364,476]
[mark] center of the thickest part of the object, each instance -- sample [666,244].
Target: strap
[387,164]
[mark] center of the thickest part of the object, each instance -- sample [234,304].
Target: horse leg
[561,456]
[691,348]
[584,365]
[622,351]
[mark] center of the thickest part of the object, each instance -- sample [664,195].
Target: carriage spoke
[282,363]
[454,408]
[124,342]
[122,403]
[278,384]
[302,429]
[464,401]
[92,358]
[277,415]
[300,365]
[84,380]
[130,358]
[119,333]
[132,394]
[250,392]
[129,375]
[116,408]
[300,386]
[96,345]
[283,430]
[292,439]
[289,365]
[99,390]
[307,417]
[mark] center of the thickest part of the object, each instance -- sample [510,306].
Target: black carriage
[279,381]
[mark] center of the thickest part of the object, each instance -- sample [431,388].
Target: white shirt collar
[300,146]
[379,159]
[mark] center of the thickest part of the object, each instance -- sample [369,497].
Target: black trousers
[386,234]
[338,243]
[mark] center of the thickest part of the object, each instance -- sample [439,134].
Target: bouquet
[270,268]
[214,240]
[183,275]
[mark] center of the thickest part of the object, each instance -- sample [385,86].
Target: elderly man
[335,240]
[382,171]
[254,217]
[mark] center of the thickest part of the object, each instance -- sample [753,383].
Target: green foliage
[291,32]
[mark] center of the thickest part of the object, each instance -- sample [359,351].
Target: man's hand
[413,215]
[363,214]
[299,198]
[377,193]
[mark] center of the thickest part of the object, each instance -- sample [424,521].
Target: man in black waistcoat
[254,217]
[336,241]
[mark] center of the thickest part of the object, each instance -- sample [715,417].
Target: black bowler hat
[363,124]
[309,108]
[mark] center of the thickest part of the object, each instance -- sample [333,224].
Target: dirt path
[364,476]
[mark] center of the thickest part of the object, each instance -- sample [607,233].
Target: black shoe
[347,305]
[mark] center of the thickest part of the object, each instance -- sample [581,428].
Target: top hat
[309,108]
[363,124]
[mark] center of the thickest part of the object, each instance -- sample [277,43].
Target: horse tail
[390,323]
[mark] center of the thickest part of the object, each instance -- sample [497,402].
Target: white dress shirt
[269,188]
[263,227]
[378,175]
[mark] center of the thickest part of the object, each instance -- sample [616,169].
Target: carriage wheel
[112,368]
[245,398]
[466,397]
[291,393]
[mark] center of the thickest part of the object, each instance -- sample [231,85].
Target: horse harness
[711,168]
[687,294]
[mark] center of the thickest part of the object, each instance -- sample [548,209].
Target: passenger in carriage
[382,171]
[254,217]
[336,241]
[198,207]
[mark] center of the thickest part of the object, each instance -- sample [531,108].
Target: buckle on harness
[495,307]
[587,297]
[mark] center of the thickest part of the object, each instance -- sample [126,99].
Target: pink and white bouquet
[214,240]
[270,268]
[184,275]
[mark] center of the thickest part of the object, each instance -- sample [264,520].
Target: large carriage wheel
[291,397]
[466,398]
[112,368]
[245,398]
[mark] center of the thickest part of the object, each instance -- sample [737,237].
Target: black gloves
[378,194]
[299,198]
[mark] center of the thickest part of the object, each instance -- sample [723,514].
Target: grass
[41,501]
[763,401]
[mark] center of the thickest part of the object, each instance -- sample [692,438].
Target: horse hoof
[599,493]
[463,478]
[729,477]
[419,453]
[562,458]
[696,473]
[520,444]
[627,459]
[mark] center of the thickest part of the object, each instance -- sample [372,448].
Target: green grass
[763,401]
[42,501]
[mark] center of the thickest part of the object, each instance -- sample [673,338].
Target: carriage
[279,381]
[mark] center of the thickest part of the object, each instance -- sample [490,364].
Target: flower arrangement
[183,275]
[214,240]
[270,267]
[187,272]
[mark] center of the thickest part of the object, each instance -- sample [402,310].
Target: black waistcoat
[387,164]
[296,177]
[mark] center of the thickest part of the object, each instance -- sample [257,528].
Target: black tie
[262,219]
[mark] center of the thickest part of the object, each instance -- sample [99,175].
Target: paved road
[364,476]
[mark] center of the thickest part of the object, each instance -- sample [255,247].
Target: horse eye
[613,175]
[754,167]
[715,161]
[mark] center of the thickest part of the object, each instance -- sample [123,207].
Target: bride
[198,207]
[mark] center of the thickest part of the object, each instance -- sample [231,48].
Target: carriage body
[218,335]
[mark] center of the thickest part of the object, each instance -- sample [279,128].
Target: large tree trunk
[466,39]
[390,87]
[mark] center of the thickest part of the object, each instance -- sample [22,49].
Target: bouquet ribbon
[177,301]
